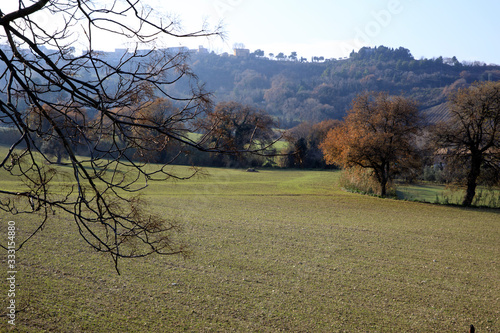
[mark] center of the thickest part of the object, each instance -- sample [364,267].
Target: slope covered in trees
[296,91]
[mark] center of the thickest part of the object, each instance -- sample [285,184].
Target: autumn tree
[470,139]
[151,145]
[68,118]
[237,128]
[378,134]
[49,93]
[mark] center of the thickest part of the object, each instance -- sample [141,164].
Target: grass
[271,251]
[441,194]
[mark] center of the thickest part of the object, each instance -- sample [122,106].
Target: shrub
[360,180]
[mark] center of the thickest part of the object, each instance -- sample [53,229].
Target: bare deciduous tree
[237,128]
[95,112]
[470,139]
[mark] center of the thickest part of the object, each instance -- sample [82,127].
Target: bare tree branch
[90,118]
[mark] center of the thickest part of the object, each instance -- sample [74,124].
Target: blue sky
[469,30]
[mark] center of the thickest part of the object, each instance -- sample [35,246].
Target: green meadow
[448,195]
[276,250]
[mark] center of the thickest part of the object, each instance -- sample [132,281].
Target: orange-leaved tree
[379,133]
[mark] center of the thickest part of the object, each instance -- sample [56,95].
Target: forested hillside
[296,91]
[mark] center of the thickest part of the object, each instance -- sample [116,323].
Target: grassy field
[271,251]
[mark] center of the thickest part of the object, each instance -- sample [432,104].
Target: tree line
[387,135]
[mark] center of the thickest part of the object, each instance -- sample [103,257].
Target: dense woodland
[295,91]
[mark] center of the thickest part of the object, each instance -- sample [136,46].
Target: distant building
[241,52]
[202,50]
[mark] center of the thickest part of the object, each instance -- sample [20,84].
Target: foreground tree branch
[86,125]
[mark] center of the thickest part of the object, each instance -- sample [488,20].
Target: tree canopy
[470,139]
[378,134]
[237,128]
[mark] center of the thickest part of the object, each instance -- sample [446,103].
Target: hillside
[437,113]
[297,91]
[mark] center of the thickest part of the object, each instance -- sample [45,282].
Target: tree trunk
[384,179]
[475,170]
[383,188]
[59,157]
